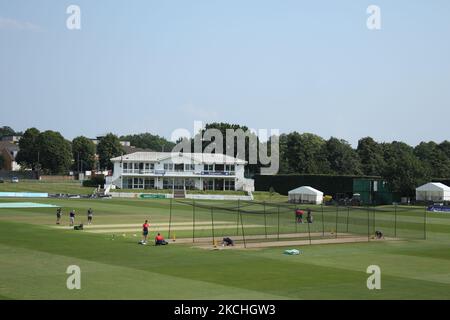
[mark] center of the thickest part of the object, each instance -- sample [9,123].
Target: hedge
[95,182]
[328,184]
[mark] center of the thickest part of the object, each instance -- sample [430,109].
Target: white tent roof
[433,186]
[306,190]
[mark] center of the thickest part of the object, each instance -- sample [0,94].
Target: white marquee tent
[305,194]
[433,191]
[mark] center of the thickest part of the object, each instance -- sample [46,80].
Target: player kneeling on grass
[159,240]
[145,227]
[227,242]
[379,235]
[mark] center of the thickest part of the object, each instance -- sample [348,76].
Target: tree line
[50,153]
[402,165]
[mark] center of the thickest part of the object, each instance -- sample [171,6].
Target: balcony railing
[178,172]
[138,171]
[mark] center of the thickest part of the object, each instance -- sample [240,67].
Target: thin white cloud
[14,24]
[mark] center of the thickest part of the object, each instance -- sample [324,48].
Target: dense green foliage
[401,165]
[28,155]
[95,181]
[8,131]
[83,150]
[55,152]
[108,147]
[404,167]
[47,151]
[149,141]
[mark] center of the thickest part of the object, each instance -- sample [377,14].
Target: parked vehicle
[14,180]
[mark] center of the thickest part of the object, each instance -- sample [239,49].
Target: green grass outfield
[71,187]
[34,255]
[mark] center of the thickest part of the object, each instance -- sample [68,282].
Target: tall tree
[251,147]
[342,158]
[434,159]
[108,147]
[149,141]
[55,152]
[444,146]
[28,156]
[6,131]
[305,153]
[83,150]
[284,153]
[371,155]
[402,169]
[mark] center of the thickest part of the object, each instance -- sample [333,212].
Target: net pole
[193,220]
[243,234]
[425,224]
[373,218]
[237,216]
[265,220]
[337,215]
[212,225]
[323,223]
[170,216]
[309,232]
[348,213]
[395,221]
[278,236]
[368,224]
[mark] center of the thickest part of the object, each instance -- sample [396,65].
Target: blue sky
[155,66]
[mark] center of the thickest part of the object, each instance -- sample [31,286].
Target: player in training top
[58,215]
[145,227]
[90,214]
[299,215]
[72,217]
[159,240]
